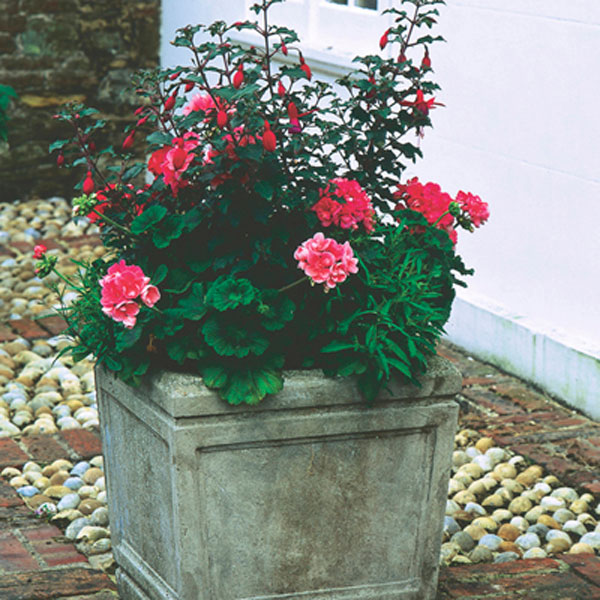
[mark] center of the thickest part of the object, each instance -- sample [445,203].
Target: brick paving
[37,563]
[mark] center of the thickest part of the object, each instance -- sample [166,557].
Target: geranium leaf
[148,218]
[227,293]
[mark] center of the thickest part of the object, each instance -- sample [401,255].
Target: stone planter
[311,494]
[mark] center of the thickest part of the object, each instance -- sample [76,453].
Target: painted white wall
[521,128]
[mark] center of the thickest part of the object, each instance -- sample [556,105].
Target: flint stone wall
[57,51]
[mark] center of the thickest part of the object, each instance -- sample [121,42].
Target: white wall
[521,128]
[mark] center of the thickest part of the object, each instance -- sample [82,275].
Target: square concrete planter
[311,494]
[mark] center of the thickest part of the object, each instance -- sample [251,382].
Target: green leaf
[276,310]
[194,304]
[148,218]
[160,274]
[160,138]
[337,345]
[214,377]
[264,189]
[171,228]
[126,338]
[227,293]
[252,386]
[229,340]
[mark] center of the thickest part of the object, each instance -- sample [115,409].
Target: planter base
[311,494]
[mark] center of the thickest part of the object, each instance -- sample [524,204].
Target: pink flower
[326,261]
[172,161]
[150,295]
[474,206]
[121,286]
[125,312]
[39,251]
[199,101]
[356,206]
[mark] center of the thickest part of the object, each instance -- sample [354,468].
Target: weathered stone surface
[335,494]
[55,51]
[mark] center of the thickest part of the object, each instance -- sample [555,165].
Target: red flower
[189,86]
[238,78]
[60,160]
[157,159]
[292,111]
[426,62]
[305,68]
[170,101]
[222,119]
[269,140]
[384,40]
[284,49]
[88,184]
[39,251]
[280,90]
[129,141]
[421,104]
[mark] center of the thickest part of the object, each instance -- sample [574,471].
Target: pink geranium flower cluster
[356,206]
[121,286]
[172,161]
[474,206]
[430,201]
[326,261]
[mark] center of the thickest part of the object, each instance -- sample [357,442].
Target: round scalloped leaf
[229,340]
[227,293]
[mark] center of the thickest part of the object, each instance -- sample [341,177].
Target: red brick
[53,324]
[85,443]
[43,533]
[10,454]
[7,334]
[470,381]
[50,244]
[468,589]
[22,247]
[44,585]
[14,556]
[526,398]
[507,568]
[491,401]
[586,565]
[593,487]
[28,329]
[43,448]
[8,496]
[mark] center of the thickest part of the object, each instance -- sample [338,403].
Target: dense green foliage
[219,242]
[6,93]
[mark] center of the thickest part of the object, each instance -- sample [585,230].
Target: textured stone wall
[56,51]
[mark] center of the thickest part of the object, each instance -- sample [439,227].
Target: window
[369,4]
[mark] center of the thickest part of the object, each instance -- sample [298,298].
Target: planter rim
[183,395]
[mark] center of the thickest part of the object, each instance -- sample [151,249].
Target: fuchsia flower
[420,104]
[356,206]
[326,261]
[88,184]
[474,206]
[121,286]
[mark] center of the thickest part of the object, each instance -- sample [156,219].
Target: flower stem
[291,285]
[113,223]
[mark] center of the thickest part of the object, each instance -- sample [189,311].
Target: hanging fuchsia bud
[280,90]
[139,110]
[284,48]
[269,140]
[189,86]
[222,119]
[170,101]
[60,159]
[402,58]
[305,68]
[238,78]
[92,146]
[292,111]
[174,76]
[426,62]
[384,40]
[88,184]
[142,121]
[128,142]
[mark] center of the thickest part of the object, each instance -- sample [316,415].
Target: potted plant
[275,421]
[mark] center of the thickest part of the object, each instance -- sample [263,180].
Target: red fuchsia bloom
[157,159]
[189,86]
[199,101]
[222,119]
[178,159]
[238,77]
[88,184]
[430,201]
[60,160]
[280,90]
[384,39]
[39,251]
[356,206]
[426,62]
[128,142]
[474,206]
[326,261]
[121,286]
[284,49]
[170,101]
[421,104]
[268,139]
